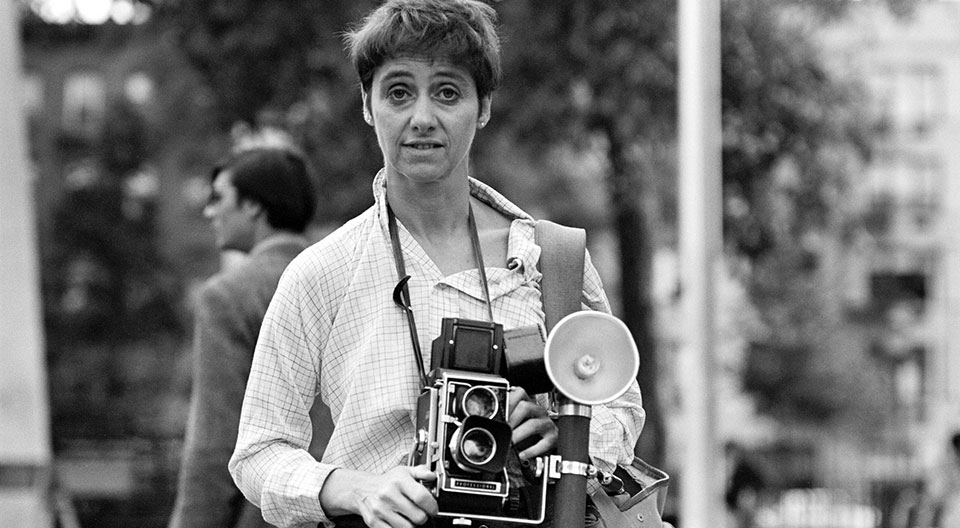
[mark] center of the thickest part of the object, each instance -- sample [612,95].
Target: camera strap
[401,293]
[561,266]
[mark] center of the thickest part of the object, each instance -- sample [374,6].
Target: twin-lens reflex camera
[463,432]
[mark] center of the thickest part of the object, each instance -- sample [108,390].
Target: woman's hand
[533,430]
[395,499]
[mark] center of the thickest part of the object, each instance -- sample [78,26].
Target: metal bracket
[557,467]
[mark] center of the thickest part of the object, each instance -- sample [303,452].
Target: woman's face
[425,113]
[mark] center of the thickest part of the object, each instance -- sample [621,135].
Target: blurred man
[260,204]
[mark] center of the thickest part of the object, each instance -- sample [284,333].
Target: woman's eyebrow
[395,74]
[452,74]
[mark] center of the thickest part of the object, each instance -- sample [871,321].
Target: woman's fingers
[400,500]
[534,432]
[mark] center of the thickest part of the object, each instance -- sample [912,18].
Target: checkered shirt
[333,331]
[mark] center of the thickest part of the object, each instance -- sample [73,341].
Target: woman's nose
[424,117]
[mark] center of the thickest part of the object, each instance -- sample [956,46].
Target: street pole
[700,246]
[25,448]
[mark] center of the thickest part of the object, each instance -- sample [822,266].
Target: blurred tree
[282,64]
[795,133]
[107,286]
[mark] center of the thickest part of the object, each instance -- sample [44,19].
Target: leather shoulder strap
[561,264]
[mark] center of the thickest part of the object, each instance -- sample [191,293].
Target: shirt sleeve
[271,464]
[615,426]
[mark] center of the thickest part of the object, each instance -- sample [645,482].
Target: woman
[427,71]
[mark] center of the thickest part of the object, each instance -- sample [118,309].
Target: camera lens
[480,401]
[477,446]
[480,444]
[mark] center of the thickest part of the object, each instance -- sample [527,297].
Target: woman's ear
[484,115]
[367,113]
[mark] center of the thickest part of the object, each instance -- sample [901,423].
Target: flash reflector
[591,357]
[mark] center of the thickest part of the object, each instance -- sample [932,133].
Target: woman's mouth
[420,145]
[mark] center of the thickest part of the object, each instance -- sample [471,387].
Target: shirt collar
[522,251]
[478,190]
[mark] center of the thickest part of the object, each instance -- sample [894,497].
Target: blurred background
[838,372]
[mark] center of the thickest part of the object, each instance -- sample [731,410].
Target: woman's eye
[397,94]
[448,94]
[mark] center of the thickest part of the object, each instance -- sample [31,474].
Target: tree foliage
[108,291]
[282,64]
[782,108]
[794,135]
[106,267]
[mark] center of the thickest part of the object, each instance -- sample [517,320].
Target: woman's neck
[430,210]
[437,216]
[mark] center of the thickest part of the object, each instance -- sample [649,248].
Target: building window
[909,379]
[84,103]
[911,185]
[898,290]
[925,201]
[139,89]
[883,87]
[33,94]
[931,100]
[909,98]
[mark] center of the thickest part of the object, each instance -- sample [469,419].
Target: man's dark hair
[955,440]
[461,31]
[278,179]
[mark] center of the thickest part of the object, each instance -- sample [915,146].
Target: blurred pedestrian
[427,70]
[744,484]
[260,204]
[940,507]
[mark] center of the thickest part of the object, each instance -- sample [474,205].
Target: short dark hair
[461,31]
[279,179]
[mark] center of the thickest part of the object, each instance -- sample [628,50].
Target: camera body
[463,433]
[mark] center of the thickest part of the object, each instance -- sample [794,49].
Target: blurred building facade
[895,265]
[114,113]
[906,268]
[122,241]
[900,277]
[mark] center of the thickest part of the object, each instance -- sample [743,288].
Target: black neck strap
[401,294]
[478,257]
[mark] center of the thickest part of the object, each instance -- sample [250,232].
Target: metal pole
[25,450]
[700,243]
